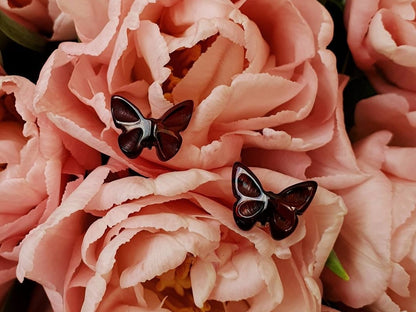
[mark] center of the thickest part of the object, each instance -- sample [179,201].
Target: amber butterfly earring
[139,132]
[254,204]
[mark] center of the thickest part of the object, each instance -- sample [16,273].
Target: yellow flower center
[175,290]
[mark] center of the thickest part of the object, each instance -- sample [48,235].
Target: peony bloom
[42,16]
[171,244]
[258,72]
[377,242]
[34,168]
[381,38]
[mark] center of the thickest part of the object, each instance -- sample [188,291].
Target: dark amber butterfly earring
[139,132]
[280,211]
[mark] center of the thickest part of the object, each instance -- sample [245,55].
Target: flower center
[181,62]
[175,290]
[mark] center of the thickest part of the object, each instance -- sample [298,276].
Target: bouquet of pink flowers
[208,155]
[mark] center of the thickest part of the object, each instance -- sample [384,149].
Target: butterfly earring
[254,204]
[139,132]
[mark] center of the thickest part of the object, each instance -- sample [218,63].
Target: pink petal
[187,12]
[203,275]
[363,246]
[88,84]
[318,19]
[88,136]
[270,16]
[53,180]
[315,128]
[399,281]
[31,255]
[216,154]
[22,224]
[153,49]
[157,254]
[167,184]
[13,189]
[400,162]
[385,112]
[94,293]
[215,67]
[122,48]
[401,244]
[393,37]
[254,95]
[270,275]
[384,303]
[404,198]
[80,12]
[246,284]
[290,163]
[358,15]
[23,90]
[297,297]
[118,219]
[257,49]
[370,151]
[63,25]
[323,222]
[334,165]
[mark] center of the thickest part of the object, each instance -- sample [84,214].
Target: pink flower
[34,168]
[381,38]
[258,73]
[171,242]
[44,17]
[377,242]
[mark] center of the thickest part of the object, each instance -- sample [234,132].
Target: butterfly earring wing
[177,117]
[139,132]
[251,201]
[168,139]
[135,128]
[254,204]
[290,203]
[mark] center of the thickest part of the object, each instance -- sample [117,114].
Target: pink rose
[156,244]
[377,242]
[386,112]
[258,73]
[34,168]
[42,16]
[380,37]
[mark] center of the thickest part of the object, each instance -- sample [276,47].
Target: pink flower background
[99,231]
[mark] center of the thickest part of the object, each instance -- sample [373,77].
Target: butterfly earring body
[139,132]
[254,204]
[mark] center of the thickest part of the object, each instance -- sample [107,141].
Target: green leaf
[21,35]
[336,267]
